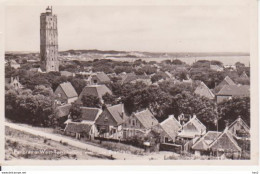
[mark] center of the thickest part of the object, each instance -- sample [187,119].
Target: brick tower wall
[49,42]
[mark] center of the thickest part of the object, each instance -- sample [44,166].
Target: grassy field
[20,145]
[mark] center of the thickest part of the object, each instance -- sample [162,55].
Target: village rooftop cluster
[202,109]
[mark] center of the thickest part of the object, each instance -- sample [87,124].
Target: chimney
[171,116]
[227,124]
[12,79]
[194,115]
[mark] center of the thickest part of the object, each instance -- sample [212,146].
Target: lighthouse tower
[49,41]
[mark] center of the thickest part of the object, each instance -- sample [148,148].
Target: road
[84,146]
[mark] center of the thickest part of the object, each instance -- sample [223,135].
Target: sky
[177,28]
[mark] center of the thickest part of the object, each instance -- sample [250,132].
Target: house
[216,68]
[192,129]
[95,90]
[80,130]
[139,123]
[201,147]
[227,81]
[204,91]
[13,82]
[132,78]
[110,122]
[244,75]
[239,129]
[14,64]
[226,145]
[66,93]
[62,113]
[67,74]
[229,91]
[170,127]
[88,118]
[99,78]
[36,70]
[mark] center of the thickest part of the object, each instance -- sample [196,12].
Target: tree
[229,110]
[75,112]
[91,101]
[109,99]
[156,78]
[42,90]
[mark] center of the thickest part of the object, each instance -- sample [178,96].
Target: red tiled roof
[68,89]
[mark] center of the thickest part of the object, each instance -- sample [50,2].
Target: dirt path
[92,148]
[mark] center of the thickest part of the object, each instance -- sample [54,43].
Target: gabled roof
[132,77]
[192,128]
[118,113]
[204,91]
[171,126]
[66,73]
[95,90]
[244,75]
[102,77]
[235,90]
[68,89]
[90,114]
[225,142]
[227,81]
[63,110]
[240,121]
[146,118]
[215,67]
[206,140]
[77,127]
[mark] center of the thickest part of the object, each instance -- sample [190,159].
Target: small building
[171,129]
[13,82]
[204,91]
[192,129]
[201,147]
[95,90]
[62,113]
[36,70]
[227,81]
[226,145]
[132,78]
[110,122]
[229,91]
[99,78]
[239,129]
[67,74]
[80,130]
[139,123]
[14,64]
[244,76]
[216,68]
[65,93]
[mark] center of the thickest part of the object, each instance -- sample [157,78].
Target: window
[166,140]
[133,122]
[106,119]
